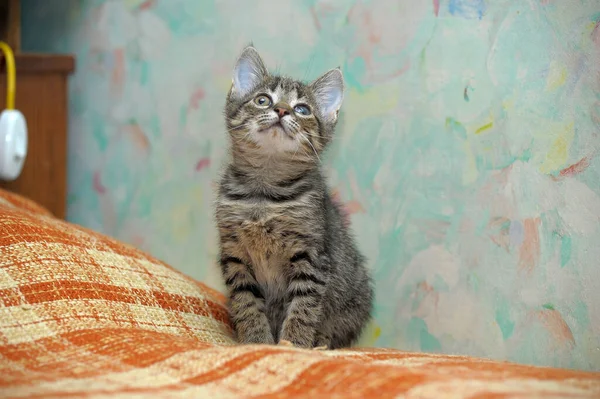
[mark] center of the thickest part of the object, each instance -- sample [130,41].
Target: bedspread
[84,315]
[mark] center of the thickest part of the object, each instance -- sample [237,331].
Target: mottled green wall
[467,151]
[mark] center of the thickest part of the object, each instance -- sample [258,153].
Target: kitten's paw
[285,342]
[256,339]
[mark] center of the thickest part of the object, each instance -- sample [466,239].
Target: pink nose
[281,111]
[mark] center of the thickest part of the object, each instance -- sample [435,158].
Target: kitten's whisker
[318,136]
[234,128]
[246,136]
[296,152]
[306,153]
[311,145]
[242,139]
[310,134]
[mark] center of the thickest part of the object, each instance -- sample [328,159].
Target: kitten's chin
[275,140]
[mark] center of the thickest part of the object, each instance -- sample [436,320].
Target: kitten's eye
[263,100]
[302,109]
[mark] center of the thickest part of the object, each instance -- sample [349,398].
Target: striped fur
[291,267]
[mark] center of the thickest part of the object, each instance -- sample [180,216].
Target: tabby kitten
[291,267]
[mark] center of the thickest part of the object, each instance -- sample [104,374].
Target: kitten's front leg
[306,288]
[246,303]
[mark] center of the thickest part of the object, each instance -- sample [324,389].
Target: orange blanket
[83,315]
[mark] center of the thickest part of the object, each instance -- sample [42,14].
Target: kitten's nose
[281,111]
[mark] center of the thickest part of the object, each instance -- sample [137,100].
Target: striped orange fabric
[83,315]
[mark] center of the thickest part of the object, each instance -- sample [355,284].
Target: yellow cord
[10,75]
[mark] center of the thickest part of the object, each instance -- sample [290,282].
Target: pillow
[57,278]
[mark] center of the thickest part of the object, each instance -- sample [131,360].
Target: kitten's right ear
[249,71]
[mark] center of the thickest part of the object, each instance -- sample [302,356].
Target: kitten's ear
[249,71]
[329,93]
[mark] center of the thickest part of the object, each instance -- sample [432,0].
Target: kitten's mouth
[275,128]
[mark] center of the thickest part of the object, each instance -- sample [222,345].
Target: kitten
[291,267]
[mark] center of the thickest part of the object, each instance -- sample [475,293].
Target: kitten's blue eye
[263,100]
[302,109]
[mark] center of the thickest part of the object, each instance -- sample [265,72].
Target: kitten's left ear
[249,71]
[329,93]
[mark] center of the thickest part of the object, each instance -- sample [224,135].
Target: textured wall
[467,151]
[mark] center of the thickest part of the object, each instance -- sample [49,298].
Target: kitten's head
[271,115]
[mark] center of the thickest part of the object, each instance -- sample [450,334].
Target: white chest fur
[259,232]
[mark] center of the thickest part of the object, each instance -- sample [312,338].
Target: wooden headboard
[42,97]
